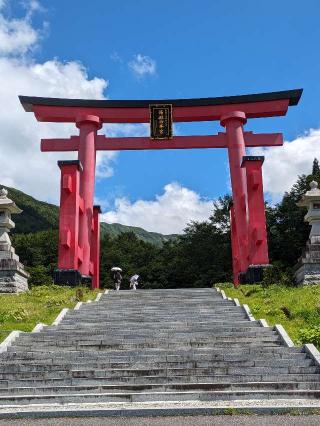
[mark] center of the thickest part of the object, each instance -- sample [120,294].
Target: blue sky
[187,49]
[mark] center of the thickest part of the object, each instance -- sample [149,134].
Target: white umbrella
[134,277]
[116,268]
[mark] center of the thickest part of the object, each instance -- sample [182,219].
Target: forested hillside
[116,229]
[42,216]
[36,215]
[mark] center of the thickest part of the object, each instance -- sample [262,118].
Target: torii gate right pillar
[257,229]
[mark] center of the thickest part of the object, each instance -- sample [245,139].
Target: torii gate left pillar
[88,126]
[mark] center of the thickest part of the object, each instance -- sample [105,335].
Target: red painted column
[95,247]
[88,126]
[233,123]
[69,214]
[234,247]
[257,232]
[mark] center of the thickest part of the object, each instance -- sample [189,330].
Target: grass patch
[296,308]
[40,304]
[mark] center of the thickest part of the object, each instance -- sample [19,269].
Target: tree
[197,258]
[202,254]
[38,249]
[287,230]
[315,168]
[129,253]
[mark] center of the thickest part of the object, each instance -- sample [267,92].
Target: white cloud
[22,164]
[126,129]
[16,36]
[142,65]
[283,164]
[168,213]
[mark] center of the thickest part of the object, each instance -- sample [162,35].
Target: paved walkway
[170,421]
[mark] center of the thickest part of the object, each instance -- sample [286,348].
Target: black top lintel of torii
[292,95]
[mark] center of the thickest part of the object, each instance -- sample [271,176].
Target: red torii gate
[79,219]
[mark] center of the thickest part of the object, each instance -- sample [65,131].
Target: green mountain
[115,229]
[41,216]
[36,215]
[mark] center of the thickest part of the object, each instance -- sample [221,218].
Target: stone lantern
[307,271]
[13,277]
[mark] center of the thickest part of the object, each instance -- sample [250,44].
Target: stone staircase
[151,346]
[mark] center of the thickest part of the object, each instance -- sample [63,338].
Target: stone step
[172,337]
[153,381]
[253,331]
[242,350]
[54,331]
[162,306]
[161,341]
[63,327]
[64,398]
[151,356]
[96,321]
[182,387]
[223,345]
[148,370]
[203,307]
[109,356]
[143,312]
[138,371]
[210,310]
[95,376]
[147,358]
[98,334]
[169,365]
[109,340]
[160,318]
[166,321]
[185,367]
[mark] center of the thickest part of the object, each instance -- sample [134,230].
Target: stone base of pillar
[254,274]
[308,273]
[70,277]
[307,270]
[13,281]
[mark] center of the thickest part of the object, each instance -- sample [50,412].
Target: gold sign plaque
[160,121]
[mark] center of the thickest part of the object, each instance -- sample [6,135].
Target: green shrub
[253,290]
[255,308]
[271,276]
[276,275]
[13,314]
[310,335]
[39,276]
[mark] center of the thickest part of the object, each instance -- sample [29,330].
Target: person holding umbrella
[117,277]
[134,281]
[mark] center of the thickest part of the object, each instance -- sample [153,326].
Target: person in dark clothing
[117,278]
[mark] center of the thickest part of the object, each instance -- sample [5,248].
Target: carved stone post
[307,270]
[13,277]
